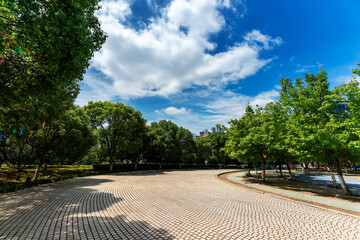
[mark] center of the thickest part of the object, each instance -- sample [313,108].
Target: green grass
[12,180]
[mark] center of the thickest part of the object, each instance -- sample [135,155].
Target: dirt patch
[224,177]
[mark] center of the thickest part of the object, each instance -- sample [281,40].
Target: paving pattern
[163,205]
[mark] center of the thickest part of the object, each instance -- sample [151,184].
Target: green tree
[240,144]
[186,144]
[45,49]
[76,137]
[120,128]
[169,143]
[217,143]
[276,124]
[203,150]
[322,132]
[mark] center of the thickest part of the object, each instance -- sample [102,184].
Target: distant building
[212,130]
[205,135]
[194,135]
[219,129]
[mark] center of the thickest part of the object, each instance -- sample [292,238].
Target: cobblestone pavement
[163,205]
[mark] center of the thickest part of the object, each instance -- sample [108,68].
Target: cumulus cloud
[113,10]
[172,52]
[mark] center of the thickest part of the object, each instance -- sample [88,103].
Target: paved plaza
[164,205]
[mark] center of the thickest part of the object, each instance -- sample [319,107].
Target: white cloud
[96,90]
[174,111]
[304,68]
[255,37]
[226,3]
[233,106]
[171,53]
[201,16]
[346,79]
[221,109]
[112,10]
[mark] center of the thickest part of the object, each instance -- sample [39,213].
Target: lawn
[11,179]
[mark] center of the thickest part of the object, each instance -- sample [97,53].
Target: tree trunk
[111,167]
[332,177]
[249,174]
[38,168]
[280,170]
[341,178]
[263,169]
[256,172]
[45,166]
[306,169]
[37,171]
[289,169]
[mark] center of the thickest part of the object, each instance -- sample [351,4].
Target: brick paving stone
[163,205]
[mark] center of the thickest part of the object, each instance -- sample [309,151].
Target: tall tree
[44,51]
[320,128]
[169,143]
[217,143]
[244,142]
[119,126]
[203,150]
[76,137]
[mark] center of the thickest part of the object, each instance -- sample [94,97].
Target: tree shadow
[326,180]
[72,209]
[313,188]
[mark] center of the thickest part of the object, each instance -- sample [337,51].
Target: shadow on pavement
[72,209]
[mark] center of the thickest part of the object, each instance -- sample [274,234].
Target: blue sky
[198,62]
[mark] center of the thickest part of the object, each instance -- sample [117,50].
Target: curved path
[163,205]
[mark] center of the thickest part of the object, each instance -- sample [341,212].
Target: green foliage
[45,48]
[241,144]
[203,150]
[75,137]
[120,129]
[169,143]
[45,45]
[304,125]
